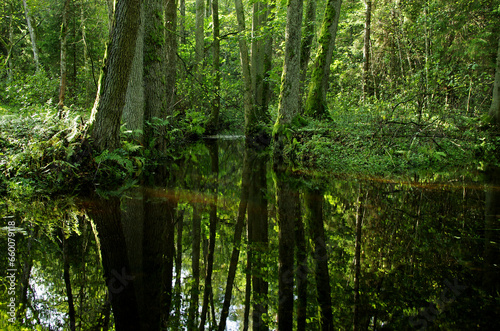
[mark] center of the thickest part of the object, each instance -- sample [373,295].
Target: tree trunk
[495,102]
[289,96]
[287,215]
[112,90]
[67,282]
[199,33]
[63,59]
[245,70]
[238,230]
[307,39]
[31,30]
[302,270]
[213,121]
[195,266]
[258,238]
[214,156]
[367,89]
[182,29]
[155,84]
[133,111]
[357,264]
[316,98]
[171,53]
[11,43]
[314,209]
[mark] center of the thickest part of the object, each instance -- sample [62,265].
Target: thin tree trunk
[245,69]
[214,156]
[213,121]
[314,206]
[31,30]
[195,266]
[357,263]
[63,58]
[366,50]
[315,105]
[199,34]
[171,54]
[182,29]
[11,43]
[238,229]
[307,39]
[67,282]
[110,100]
[495,102]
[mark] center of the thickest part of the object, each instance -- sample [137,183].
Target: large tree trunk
[289,103]
[112,90]
[315,105]
[31,30]
[495,102]
[258,238]
[133,112]
[155,84]
[63,58]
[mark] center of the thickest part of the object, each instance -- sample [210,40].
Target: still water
[219,240]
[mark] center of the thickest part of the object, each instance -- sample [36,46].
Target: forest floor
[40,152]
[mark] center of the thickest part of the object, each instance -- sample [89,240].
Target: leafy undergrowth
[365,144]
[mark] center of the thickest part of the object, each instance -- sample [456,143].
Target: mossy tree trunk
[315,105]
[155,84]
[108,108]
[171,53]
[307,39]
[289,95]
[133,112]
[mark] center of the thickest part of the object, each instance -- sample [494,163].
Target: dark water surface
[218,239]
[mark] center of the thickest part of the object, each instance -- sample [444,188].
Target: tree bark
[112,90]
[133,111]
[289,99]
[155,84]
[315,105]
[307,39]
[31,30]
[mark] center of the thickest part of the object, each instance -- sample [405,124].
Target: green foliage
[27,90]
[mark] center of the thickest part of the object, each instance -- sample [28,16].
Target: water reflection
[217,240]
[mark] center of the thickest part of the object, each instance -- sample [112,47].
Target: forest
[261,164]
